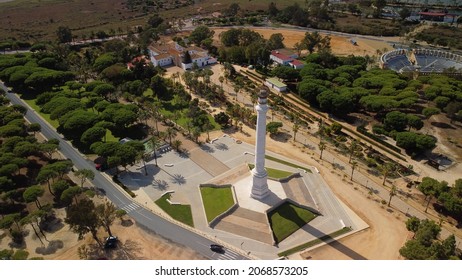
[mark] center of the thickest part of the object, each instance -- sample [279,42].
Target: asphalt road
[142,216]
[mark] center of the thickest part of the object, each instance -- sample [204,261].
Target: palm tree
[354,164]
[353,148]
[392,194]
[154,142]
[171,133]
[322,146]
[208,127]
[196,133]
[295,129]
[387,168]
[177,145]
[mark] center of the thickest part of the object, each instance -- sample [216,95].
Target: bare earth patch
[340,45]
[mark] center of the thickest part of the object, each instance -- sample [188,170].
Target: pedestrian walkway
[229,255]
[131,207]
[207,162]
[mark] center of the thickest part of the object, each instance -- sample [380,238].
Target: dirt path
[134,243]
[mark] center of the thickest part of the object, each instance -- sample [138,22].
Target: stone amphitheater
[424,61]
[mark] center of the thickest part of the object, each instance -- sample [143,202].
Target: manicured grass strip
[286,163]
[31,103]
[314,242]
[275,173]
[216,200]
[181,213]
[287,219]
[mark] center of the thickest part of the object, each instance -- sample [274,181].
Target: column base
[259,185]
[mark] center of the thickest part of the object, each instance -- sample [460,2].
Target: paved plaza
[224,161]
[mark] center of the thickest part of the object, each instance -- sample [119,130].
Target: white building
[173,54]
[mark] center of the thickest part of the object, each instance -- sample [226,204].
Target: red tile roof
[281,56]
[297,62]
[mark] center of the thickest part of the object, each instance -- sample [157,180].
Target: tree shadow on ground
[221,146]
[442,125]
[52,224]
[207,149]
[178,179]
[126,223]
[183,153]
[160,184]
[281,137]
[52,247]
[338,166]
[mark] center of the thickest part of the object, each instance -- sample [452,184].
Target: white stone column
[259,174]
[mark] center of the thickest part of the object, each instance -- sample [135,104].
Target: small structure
[297,64]
[283,56]
[276,84]
[443,16]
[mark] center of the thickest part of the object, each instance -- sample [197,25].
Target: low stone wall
[283,180]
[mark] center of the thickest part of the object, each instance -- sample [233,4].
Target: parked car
[111,242]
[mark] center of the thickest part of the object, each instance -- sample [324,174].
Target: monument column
[259,174]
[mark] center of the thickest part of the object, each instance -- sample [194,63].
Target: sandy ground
[340,45]
[135,243]
[387,232]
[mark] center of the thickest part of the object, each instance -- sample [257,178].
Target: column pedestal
[259,185]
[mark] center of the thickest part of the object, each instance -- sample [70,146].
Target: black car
[111,242]
[217,248]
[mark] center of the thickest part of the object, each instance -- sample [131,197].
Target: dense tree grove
[342,86]
[448,198]
[425,244]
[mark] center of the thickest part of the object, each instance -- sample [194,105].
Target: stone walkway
[247,223]
[207,162]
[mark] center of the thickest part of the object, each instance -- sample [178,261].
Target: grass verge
[181,213]
[31,103]
[216,200]
[118,182]
[314,242]
[275,173]
[287,163]
[288,218]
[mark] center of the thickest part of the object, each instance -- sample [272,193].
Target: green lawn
[181,213]
[275,173]
[286,163]
[31,103]
[110,137]
[314,242]
[216,200]
[288,218]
